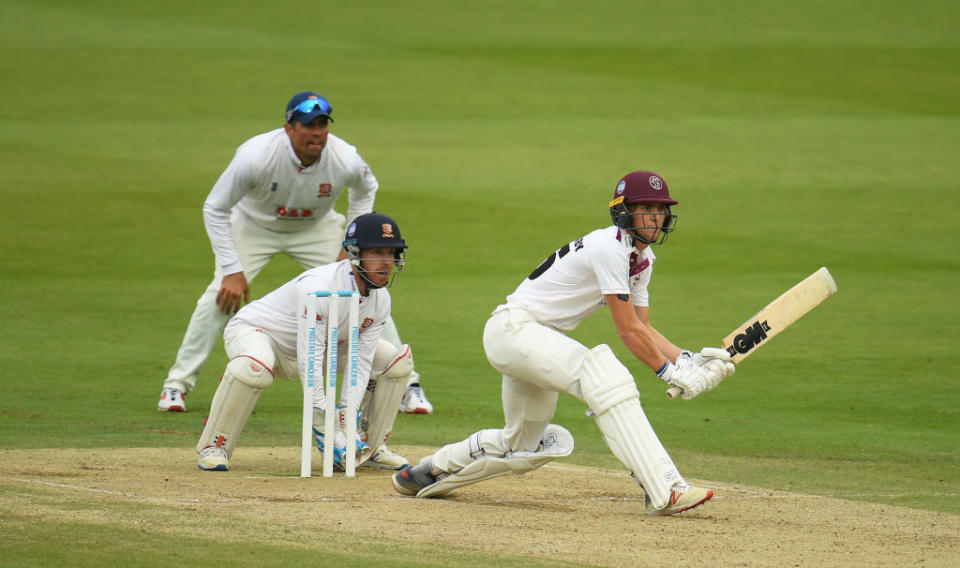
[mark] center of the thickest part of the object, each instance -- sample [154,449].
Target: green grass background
[795,136]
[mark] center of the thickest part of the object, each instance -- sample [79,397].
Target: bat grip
[674,392]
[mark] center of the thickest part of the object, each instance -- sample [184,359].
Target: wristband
[668,366]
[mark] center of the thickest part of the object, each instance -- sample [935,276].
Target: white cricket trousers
[314,246]
[537,363]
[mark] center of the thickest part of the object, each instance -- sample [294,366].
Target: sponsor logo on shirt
[293,212]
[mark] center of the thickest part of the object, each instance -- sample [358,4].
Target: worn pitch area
[560,513]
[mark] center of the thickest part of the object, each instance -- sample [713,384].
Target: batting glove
[684,374]
[715,361]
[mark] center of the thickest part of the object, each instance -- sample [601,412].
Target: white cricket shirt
[265,181]
[281,315]
[569,285]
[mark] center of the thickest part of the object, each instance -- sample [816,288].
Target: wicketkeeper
[268,338]
[525,340]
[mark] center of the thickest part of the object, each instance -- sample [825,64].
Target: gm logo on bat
[749,338]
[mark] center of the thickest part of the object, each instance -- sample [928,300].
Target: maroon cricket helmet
[641,186]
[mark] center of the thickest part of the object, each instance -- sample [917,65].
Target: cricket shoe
[171,400]
[415,401]
[682,498]
[410,480]
[383,458]
[213,458]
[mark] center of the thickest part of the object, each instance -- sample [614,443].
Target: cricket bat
[777,316]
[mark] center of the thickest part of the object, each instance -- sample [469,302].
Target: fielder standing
[269,338]
[276,196]
[525,340]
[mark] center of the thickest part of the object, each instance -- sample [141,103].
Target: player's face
[377,264]
[308,140]
[648,218]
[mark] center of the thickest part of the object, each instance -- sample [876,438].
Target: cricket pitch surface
[562,513]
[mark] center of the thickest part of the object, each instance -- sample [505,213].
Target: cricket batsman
[525,340]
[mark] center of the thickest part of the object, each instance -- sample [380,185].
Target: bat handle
[674,392]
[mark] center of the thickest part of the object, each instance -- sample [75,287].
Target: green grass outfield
[819,133]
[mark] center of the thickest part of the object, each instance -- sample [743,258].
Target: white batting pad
[391,369]
[392,361]
[243,381]
[557,442]
[610,391]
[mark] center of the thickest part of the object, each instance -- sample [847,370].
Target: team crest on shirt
[325,190]
[367,322]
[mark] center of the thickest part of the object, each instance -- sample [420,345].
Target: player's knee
[391,362]
[604,381]
[250,372]
[487,443]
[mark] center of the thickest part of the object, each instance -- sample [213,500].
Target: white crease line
[277,477]
[68,486]
[161,499]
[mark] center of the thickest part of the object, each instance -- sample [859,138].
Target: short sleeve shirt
[570,284]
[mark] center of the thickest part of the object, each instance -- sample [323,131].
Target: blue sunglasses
[309,105]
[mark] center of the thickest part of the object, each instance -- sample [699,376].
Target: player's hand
[707,354]
[687,376]
[717,371]
[713,353]
[716,361]
[234,292]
